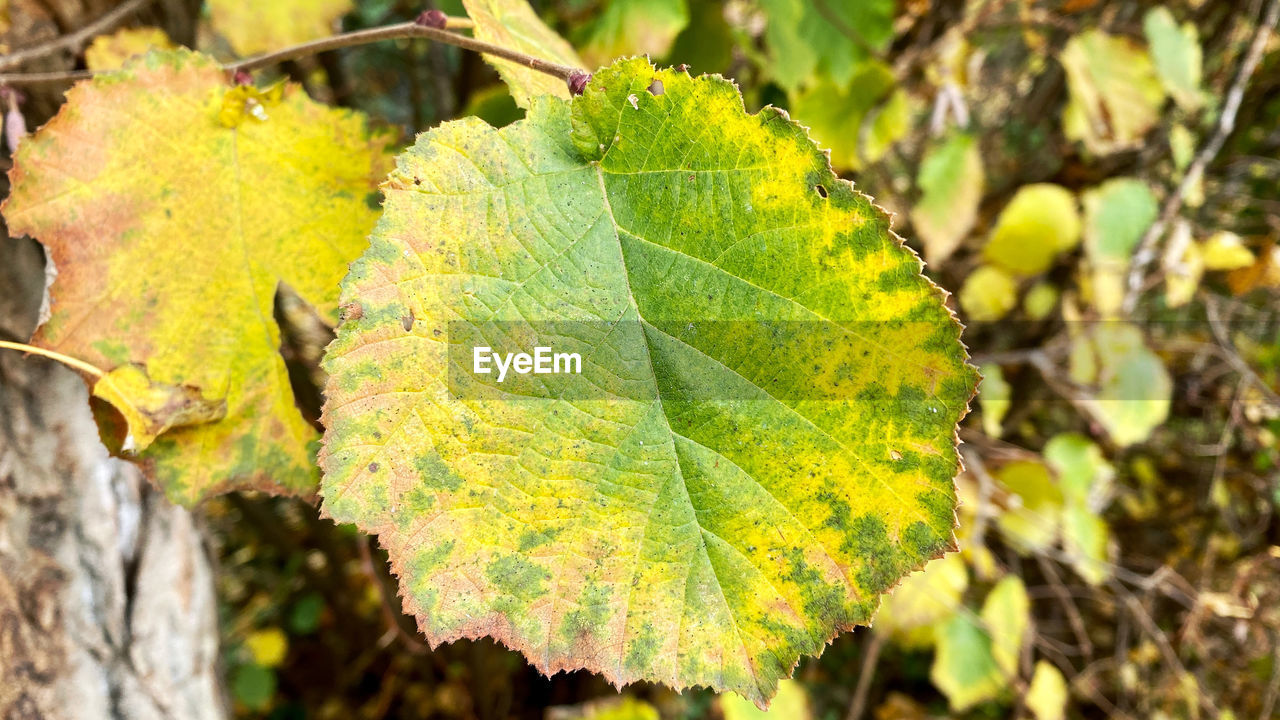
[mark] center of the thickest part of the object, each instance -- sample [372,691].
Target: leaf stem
[398,31]
[67,360]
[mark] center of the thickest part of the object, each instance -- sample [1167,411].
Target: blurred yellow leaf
[1086,539]
[835,113]
[888,122]
[989,293]
[1006,613]
[1183,265]
[1047,695]
[1116,214]
[1038,223]
[790,702]
[1225,250]
[1040,300]
[253,27]
[1133,387]
[1084,474]
[923,600]
[1115,96]
[108,52]
[1182,145]
[634,27]
[268,647]
[1033,518]
[993,397]
[609,708]
[1085,478]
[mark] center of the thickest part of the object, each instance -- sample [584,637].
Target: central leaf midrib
[702,543]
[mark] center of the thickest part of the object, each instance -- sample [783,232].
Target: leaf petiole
[54,355]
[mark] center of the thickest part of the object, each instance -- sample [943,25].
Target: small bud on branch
[578,81]
[433,19]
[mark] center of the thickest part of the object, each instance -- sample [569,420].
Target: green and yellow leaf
[760,442]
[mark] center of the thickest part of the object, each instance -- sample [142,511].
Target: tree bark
[107,607]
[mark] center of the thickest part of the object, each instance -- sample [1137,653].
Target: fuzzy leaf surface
[761,440]
[171,232]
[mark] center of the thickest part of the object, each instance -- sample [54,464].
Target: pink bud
[15,126]
[578,82]
[432,19]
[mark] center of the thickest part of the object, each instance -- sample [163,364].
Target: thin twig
[398,31]
[1229,350]
[1273,687]
[390,613]
[1149,245]
[859,704]
[75,40]
[1074,619]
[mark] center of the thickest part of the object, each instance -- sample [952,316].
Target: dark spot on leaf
[822,190]
[373,467]
[406,321]
[655,88]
